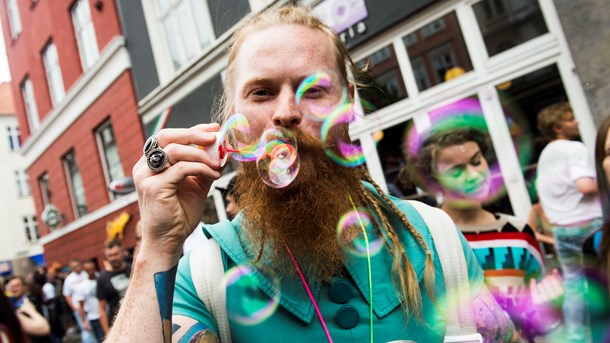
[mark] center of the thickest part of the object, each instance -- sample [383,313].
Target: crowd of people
[72,304]
[302,283]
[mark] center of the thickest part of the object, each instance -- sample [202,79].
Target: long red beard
[303,215]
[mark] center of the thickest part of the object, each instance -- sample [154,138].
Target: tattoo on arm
[188,330]
[492,322]
[164,284]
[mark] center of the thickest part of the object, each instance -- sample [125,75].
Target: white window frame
[29,102]
[14,18]
[160,49]
[23,185]
[549,48]
[85,34]
[71,185]
[31,229]
[53,72]
[102,154]
[14,137]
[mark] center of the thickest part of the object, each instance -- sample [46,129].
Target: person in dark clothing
[112,284]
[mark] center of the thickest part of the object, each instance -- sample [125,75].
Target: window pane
[76,183]
[111,154]
[31,110]
[205,36]
[187,33]
[85,33]
[45,189]
[171,33]
[53,72]
[506,24]
[522,98]
[388,86]
[14,18]
[437,52]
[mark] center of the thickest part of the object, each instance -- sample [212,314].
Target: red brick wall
[44,21]
[88,242]
[117,103]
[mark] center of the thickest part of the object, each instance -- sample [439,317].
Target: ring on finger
[156,158]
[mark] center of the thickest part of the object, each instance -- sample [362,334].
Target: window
[505,25]
[14,137]
[110,153]
[23,187]
[75,184]
[186,33]
[388,86]
[53,72]
[30,225]
[440,55]
[85,33]
[14,18]
[29,102]
[45,188]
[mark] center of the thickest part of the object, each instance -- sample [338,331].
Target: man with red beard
[288,276]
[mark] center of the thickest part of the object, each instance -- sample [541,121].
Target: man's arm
[103,316]
[83,316]
[587,186]
[69,302]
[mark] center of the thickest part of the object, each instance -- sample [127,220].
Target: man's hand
[172,201]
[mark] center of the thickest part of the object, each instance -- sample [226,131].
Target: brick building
[78,117]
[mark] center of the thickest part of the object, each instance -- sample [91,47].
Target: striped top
[508,253]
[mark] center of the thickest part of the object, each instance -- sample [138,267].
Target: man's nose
[286,113]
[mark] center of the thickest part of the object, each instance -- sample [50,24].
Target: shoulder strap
[460,319]
[207,271]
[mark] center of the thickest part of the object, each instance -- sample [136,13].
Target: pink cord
[313,301]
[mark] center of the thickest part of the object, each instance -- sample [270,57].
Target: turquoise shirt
[295,320]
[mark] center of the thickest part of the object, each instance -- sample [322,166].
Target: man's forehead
[284,48]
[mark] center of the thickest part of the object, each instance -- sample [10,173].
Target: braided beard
[303,215]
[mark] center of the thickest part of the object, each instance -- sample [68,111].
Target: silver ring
[150,144]
[156,158]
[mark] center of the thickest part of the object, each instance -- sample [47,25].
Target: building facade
[20,250]
[77,112]
[507,58]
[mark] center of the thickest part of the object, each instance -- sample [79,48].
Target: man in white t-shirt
[89,306]
[568,193]
[76,276]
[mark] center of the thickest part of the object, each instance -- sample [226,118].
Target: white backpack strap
[207,271]
[461,326]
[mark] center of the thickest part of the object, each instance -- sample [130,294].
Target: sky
[5,74]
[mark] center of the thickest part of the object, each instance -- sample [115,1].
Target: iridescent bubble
[277,160]
[238,133]
[462,115]
[356,233]
[344,153]
[319,94]
[247,303]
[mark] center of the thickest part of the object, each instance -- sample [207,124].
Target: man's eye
[261,93]
[476,162]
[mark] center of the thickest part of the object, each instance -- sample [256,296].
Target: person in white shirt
[70,284]
[89,310]
[568,192]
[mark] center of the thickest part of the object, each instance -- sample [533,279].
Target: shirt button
[340,291]
[347,317]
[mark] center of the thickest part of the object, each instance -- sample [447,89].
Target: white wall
[13,241]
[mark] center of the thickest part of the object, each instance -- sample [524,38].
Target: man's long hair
[404,275]
[604,193]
